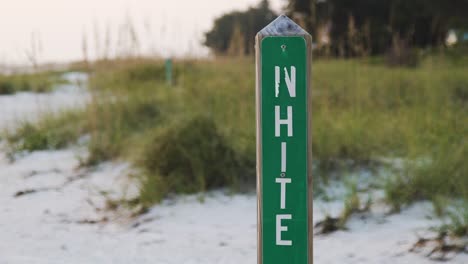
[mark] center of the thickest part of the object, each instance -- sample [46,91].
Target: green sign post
[284,183]
[169,77]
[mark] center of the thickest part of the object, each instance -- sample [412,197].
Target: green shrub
[146,72]
[54,131]
[113,125]
[101,148]
[456,223]
[460,91]
[398,191]
[34,82]
[191,156]
[6,87]
[444,174]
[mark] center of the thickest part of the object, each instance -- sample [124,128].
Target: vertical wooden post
[284,144]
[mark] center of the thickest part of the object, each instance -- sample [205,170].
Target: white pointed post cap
[282,26]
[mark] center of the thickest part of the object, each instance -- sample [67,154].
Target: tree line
[347,27]
[234,33]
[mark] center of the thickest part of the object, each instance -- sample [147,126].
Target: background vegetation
[199,133]
[36,82]
[350,28]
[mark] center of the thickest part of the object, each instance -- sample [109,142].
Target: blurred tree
[369,26]
[237,43]
[235,32]
[304,12]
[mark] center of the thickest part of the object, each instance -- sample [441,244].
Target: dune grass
[52,131]
[29,82]
[363,111]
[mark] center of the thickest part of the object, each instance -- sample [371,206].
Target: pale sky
[163,27]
